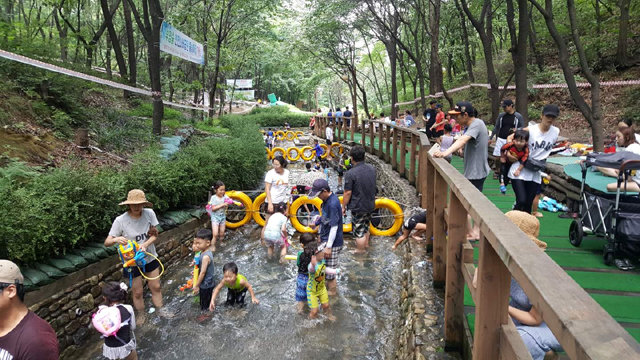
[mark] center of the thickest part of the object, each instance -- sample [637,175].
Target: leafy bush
[145,109]
[274,116]
[55,211]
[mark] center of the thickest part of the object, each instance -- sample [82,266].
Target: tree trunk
[393,65]
[435,66]
[153,46]
[131,45]
[115,42]
[62,33]
[107,65]
[623,32]
[533,40]
[214,81]
[519,52]
[465,38]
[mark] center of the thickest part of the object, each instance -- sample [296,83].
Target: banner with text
[176,43]
[240,83]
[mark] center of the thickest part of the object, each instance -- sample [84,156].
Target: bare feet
[331,317]
[417,237]
[393,247]
[141,318]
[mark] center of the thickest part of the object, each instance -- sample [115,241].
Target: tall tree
[519,52]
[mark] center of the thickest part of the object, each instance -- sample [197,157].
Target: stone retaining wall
[68,303]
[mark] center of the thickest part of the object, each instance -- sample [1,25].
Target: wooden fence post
[394,159]
[380,141]
[403,154]
[454,285]
[413,156]
[387,137]
[439,236]
[492,300]
[425,179]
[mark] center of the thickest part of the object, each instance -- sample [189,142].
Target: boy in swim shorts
[316,287]
[237,287]
[416,222]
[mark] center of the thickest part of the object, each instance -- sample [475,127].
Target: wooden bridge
[583,328]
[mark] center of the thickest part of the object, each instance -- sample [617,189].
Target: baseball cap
[507,102]
[463,107]
[318,186]
[10,273]
[551,110]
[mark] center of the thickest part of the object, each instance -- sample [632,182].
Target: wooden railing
[583,328]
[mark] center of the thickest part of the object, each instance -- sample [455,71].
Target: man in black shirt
[507,121]
[347,116]
[430,118]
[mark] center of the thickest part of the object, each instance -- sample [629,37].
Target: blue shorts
[301,287]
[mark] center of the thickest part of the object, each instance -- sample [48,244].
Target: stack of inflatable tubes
[305,153]
[287,135]
[252,210]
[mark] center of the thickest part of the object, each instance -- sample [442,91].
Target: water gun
[551,205]
[231,201]
[196,272]
[131,256]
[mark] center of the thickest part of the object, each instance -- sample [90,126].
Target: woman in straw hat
[534,332]
[139,224]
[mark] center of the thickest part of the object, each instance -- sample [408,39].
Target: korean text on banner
[176,43]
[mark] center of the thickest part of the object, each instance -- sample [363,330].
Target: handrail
[582,327]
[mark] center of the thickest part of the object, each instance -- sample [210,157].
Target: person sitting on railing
[408,119]
[533,331]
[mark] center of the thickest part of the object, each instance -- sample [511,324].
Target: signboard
[241,83]
[176,43]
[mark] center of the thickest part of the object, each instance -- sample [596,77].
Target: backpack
[107,320]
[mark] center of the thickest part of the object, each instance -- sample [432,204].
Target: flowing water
[366,308]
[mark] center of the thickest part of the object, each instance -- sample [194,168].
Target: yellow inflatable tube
[246,203]
[304,150]
[296,155]
[295,206]
[275,151]
[338,149]
[396,210]
[290,135]
[255,208]
[280,135]
[345,227]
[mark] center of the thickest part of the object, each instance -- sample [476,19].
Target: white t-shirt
[136,229]
[329,133]
[540,146]
[279,185]
[634,148]
[273,228]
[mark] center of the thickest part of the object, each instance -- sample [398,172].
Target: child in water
[122,345]
[416,222]
[205,282]
[517,150]
[316,286]
[217,208]
[309,244]
[275,232]
[237,287]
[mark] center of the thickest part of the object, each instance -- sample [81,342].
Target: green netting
[62,264]
[77,261]
[622,308]
[197,213]
[87,254]
[36,277]
[607,281]
[170,145]
[635,332]
[50,271]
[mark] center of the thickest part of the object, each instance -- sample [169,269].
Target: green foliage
[121,133]
[274,116]
[145,109]
[52,212]
[632,99]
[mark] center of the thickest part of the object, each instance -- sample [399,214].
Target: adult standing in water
[360,196]
[330,228]
[276,187]
[139,224]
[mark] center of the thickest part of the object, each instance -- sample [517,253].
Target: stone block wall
[68,303]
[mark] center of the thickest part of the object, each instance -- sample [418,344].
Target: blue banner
[174,42]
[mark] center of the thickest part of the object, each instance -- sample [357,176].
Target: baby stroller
[616,217]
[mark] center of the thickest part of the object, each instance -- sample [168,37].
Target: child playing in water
[517,150]
[309,244]
[316,286]
[237,287]
[416,222]
[275,232]
[318,149]
[446,140]
[205,281]
[217,208]
[122,345]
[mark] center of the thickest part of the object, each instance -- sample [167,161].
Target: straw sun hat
[529,224]
[136,196]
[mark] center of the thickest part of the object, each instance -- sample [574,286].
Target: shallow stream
[366,308]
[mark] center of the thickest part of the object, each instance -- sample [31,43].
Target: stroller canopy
[615,160]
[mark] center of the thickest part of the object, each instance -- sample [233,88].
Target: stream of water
[366,309]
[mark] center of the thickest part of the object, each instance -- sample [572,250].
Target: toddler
[516,149]
[275,231]
[446,140]
[122,344]
[316,286]
[309,244]
[237,287]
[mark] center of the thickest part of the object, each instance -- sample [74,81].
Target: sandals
[623,264]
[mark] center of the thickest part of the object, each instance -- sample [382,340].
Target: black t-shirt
[123,334]
[32,339]
[347,114]
[361,180]
[508,123]
[430,116]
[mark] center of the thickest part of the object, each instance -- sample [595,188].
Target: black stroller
[613,216]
